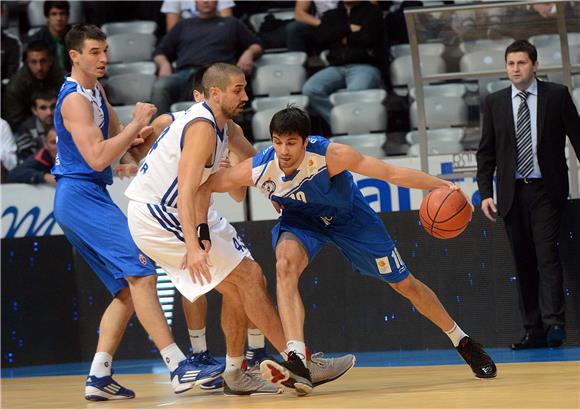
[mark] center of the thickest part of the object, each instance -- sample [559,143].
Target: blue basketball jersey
[69,161]
[309,190]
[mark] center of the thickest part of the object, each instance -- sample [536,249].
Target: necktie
[524,152]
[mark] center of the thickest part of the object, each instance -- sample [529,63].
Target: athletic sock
[172,356]
[101,365]
[456,334]
[255,338]
[233,363]
[197,339]
[299,349]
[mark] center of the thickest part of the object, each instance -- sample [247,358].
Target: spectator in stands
[300,32]
[36,168]
[8,157]
[353,33]
[196,42]
[11,49]
[30,134]
[38,74]
[57,14]
[176,10]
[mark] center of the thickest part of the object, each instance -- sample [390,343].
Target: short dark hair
[198,79]
[290,120]
[37,46]
[42,94]
[218,75]
[77,35]
[523,46]
[61,5]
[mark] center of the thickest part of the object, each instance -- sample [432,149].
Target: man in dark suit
[523,138]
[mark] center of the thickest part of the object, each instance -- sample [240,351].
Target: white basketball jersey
[156,181]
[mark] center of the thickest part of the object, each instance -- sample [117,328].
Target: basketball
[445,213]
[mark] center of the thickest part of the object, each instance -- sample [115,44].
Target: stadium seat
[257,19]
[262,103]
[484,60]
[440,141]
[441,112]
[130,47]
[433,49]
[368,144]
[262,144]
[576,97]
[140,26]
[369,95]
[125,113]
[494,86]
[180,106]
[467,47]
[277,80]
[358,118]
[553,40]
[441,90]
[261,124]
[552,56]
[126,89]
[286,58]
[35,12]
[138,67]
[402,73]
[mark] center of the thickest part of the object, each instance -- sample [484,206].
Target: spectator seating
[483,60]
[125,113]
[126,89]
[35,12]
[441,112]
[402,72]
[369,95]
[551,40]
[257,19]
[261,124]
[286,58]
[434,49]
[367,144]
[467,47]
[497,85]
[138,67]
[260,104]
[130,47]
[181,106]
[441,90]
[276,80]
[440,141]
[358,118]
[576,97]
[140,26]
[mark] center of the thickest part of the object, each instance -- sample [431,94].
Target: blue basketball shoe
[190,373]
[206,358]
[105,388]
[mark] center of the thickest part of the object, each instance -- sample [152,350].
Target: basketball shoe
[206,358]
[105,388]
[254,357]
[323,370]
[291,373]
[240,383]
[480,362]
[190,373]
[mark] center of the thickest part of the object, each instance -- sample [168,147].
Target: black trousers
[533,229]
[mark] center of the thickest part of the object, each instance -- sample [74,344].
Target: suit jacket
[556,117]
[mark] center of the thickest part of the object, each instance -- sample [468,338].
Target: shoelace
[316,359]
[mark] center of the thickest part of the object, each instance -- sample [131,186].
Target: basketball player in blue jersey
[309,180]
[90,138]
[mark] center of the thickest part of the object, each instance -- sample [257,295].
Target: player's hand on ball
[143,112]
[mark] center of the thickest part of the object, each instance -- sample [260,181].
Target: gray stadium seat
[402,73]
[369,95]
[276,80]
[180,106]
[441,112]
[368,144]
[441,90]
[553,40]
[126,89]
[484,60]
[576,97]
[262,103]
[139,26]
[440,141]
[552,56]
[467,47]
[576,81]
[130,47]
[435,49]
[139,67]
[262,144]
[495,86]
[358,118]
[257,19]
[125,113]
[286,58]
[261,124]
[35,12]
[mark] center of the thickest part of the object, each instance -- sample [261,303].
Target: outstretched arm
[341,157]
[240,149]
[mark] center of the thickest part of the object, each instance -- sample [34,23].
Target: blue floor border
[364,359]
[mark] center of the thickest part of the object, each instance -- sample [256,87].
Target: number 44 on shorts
[239,244]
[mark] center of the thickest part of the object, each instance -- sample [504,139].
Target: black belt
[527,181]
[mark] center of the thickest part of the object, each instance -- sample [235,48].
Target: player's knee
[286,271]
[405,287]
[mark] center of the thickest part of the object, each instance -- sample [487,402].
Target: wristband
[203,234]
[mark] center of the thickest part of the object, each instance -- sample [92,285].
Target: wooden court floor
[518,385]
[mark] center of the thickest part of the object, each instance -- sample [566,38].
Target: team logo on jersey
[383,265]
[142,259]
[268,186]
[311,166]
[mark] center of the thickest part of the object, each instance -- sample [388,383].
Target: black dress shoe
[530,341]
[555,336]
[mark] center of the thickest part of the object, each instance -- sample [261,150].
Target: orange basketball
[445,213]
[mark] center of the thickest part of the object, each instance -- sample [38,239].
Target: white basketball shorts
[157,232]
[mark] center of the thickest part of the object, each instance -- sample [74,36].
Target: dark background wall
[52,302]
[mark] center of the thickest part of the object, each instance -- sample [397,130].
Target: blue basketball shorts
[98,229]
[363,239]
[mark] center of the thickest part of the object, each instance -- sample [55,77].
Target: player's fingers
[146,131]
[137,141]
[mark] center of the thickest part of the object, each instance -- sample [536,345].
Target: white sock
[299,348]
[101,365]
[197,338]
[456,334]
[255,338]
[172,356]
[234,363]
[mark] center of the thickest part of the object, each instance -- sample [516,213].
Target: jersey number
[239,244]
[299,196]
